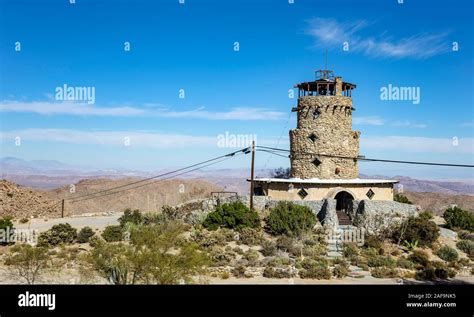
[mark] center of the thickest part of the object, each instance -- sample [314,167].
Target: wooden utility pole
[62,208]
[252,174]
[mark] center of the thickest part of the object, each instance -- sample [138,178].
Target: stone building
[324,150]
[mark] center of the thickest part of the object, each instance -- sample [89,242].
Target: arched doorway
[343,207]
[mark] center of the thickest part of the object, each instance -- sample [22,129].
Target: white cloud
[83,109]
[419,144]
[409,124]
[371,120]
[114,138]
[330,32]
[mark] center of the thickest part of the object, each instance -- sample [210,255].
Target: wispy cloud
[419,144]
[409,124]
[469,124]
[371,120]
[378,121]
[84,109]
[332,33]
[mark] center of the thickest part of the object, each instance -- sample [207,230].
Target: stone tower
[323,145]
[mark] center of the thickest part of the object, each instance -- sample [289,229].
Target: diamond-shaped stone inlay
[313,137]
[316,114]
[316,162]
[370,194]
[302,193]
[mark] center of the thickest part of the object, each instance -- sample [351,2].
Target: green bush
[276,272]
[5,223]
[466,246]
[131,216]
[401,199]
[290,219]
[384,272]
[27,262]
[417,229]
[112,233]
[447,253]
[372,241]
[380,261]
[419,257]
[268,248]
[232,215]
[404,263]
[350,249]
[85,234]
[314,269]
[458,218]
[340,271]
[250,236]
[434,271]
[61,233]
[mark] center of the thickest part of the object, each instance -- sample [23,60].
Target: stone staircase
[335,241]
[343,218]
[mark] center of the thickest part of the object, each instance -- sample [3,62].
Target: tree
[458,218]
[27,261]
[401,199]
[156,254]
[281,173]
[232,215]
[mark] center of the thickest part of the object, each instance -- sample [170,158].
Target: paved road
[95,222]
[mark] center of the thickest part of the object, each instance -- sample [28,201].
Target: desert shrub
[467,247]
[24,220]
[277,272]
[417,229]
[232,215]
[384,272]
[268,248]
[131,216]
[404,263]
[289,245]
[401,199]
[239,271]
[27,262]
[434,270]
[372,241]
[350,249]
[112,233]
[466,235]
[290,219]
[340,271]
[250,236]
[148,257]
[280,262]
[314,251]
[428,215]
[419,257]
[252,257]
[219,257]
[85,234]
[314,269]
[225,275]
[447,253]
[6,224]
[458,218]
[381,261]
[281,172]
[61,233]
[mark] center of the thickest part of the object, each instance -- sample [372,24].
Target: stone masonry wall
[334,136]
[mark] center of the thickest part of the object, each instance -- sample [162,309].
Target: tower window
[316,162]
[337,171]
[316,114]
[302,193]
[370,194]
[313,137]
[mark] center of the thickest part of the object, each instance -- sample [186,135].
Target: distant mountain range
[50,174]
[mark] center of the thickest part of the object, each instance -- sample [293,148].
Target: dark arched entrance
[343,207]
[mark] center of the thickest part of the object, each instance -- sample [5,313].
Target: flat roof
[325,181]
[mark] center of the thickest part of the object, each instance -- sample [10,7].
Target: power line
[156,176]
[274,153]
[221,159]
[359,158]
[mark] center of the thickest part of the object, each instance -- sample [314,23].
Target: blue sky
[191,47]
